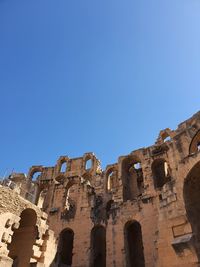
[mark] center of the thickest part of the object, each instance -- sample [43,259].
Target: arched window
[191,193]
[98,247]
[132,178]
[111,178]
[133,244]
[24,238]
[88,164]
[36,175]
[168,138]
[110,181]
[63,167]
[195,143]
[165,135]
[161,174]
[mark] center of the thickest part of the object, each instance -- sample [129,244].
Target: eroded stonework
[143,210]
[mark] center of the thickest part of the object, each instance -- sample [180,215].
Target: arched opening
[132,178]
[70,201]
[36,175]
[134,245]
[166,139]
[161,174]
[88,164]
[111,178]
[65,248]
[191,193]
[23,239]
[86,178]
[60,178]
[41,198]
[195,143]
[98,247]
[110,181]
[63,167]
[39,195]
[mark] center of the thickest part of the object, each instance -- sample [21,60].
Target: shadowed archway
[191,194]
[98,247]
[65,247]
[21,247]
[134,244]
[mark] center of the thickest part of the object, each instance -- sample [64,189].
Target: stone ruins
[143,210]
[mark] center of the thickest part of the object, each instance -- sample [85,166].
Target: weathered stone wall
[137,212]
[11,207]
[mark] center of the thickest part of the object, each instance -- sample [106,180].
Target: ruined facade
[143,210]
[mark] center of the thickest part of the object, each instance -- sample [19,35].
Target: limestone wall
[136,212]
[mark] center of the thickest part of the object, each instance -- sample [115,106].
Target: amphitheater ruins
[143,210]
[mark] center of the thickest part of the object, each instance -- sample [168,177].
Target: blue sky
[103,76]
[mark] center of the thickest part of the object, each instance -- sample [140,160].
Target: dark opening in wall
[132,178]
[98,247]
[21,247]
[191,193]
[195,143]
[160,171]
[65,248]
[134,245]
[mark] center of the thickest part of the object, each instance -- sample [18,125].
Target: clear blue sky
[88,75]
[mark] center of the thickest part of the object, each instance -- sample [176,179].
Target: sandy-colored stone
[140,211]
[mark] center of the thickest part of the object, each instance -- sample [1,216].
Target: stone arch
[41,197]
[98,246]
[65,247]
[165,135]
[33,170]
[63,165]
[161,172]
[132,178]
[88,164]
[70,200]
[88,161]
[191,193]
[40,194]
[69,185]
[133,244]
[195,143]
[60,178]
[87,178]
[23,239]
[111,178]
